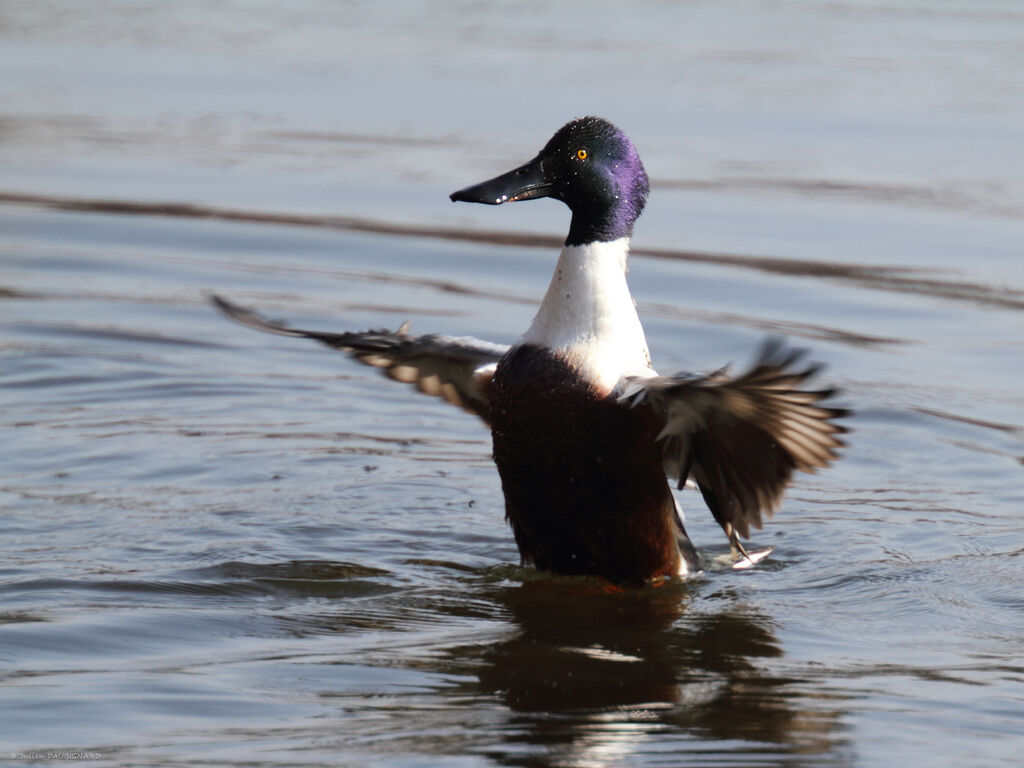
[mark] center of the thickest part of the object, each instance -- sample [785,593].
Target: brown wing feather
[457,369]
[741,438]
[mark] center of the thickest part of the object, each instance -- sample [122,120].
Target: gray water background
[225,548]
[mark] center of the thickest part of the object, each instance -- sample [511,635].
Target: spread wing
[457,369]
[741,438]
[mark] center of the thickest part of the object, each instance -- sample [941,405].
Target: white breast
[589,316]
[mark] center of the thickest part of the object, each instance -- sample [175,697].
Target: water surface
[226,548]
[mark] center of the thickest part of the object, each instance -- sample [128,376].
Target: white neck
[589,316]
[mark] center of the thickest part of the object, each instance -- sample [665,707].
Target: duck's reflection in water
[591,676]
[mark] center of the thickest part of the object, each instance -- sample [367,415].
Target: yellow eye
[581,154]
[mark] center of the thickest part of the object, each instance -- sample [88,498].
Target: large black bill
[524,183]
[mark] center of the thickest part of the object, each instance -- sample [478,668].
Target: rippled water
[226,548]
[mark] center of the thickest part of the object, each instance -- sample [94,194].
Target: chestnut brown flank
[585,490]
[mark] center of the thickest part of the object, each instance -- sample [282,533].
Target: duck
[588,438]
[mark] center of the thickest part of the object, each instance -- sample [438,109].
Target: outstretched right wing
[740,438]
[457,369]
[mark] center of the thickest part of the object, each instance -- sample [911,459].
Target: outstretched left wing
[457,369]
[741,438]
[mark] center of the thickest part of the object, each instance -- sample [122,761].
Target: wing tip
[250,318]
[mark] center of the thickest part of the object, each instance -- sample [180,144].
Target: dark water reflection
[565,671]
[588,673]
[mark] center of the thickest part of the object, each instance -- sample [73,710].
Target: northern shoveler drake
[586,434]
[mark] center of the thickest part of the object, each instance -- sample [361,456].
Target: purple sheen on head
[633,184]
[608,191]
